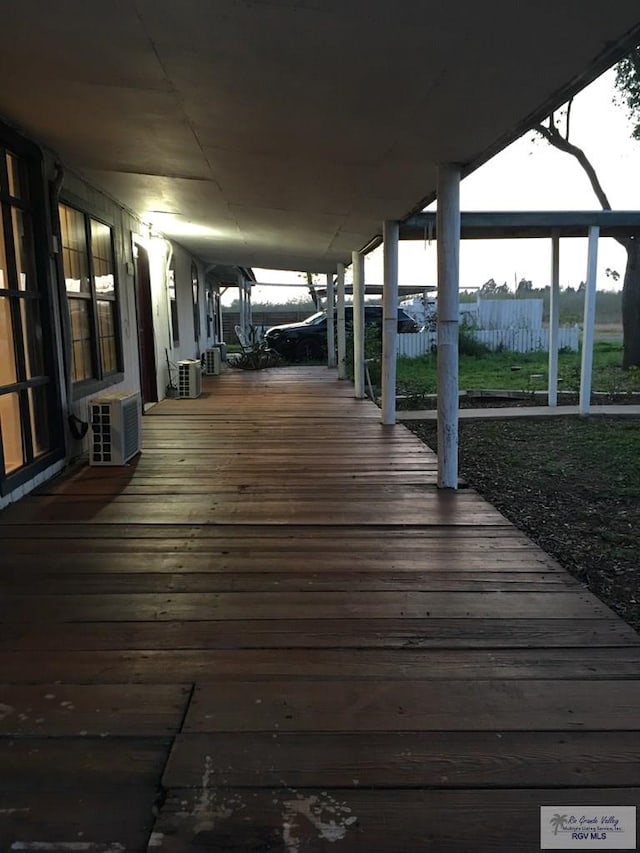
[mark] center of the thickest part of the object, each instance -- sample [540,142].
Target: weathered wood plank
[287,605]
[322,633]
[19,582]
[315,819]
[108,558]
[333,705]
[410,538]
[102,763]
[117,821]
[178,666]
[442,759]
[331,508]
[85,710]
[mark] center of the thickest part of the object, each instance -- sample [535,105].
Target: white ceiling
[291,128]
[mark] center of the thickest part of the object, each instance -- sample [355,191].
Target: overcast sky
[529,175]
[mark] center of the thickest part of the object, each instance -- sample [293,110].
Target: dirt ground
[573,485]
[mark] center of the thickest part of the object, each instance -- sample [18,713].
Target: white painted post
[219,332]
[331,323]
[242,305]
[390,236]
[589,321]
[357,259]
[448,228]
[554,320]
[342,335]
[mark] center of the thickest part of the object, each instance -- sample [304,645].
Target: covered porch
[272,631]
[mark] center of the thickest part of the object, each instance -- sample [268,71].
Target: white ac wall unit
[116,428]
[189,378]
[212,360]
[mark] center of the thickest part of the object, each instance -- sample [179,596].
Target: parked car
[308,339]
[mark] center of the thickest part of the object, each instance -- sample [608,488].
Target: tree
[628,85]
[491,288]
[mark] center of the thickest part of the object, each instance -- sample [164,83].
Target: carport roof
[481,225]
[287,130]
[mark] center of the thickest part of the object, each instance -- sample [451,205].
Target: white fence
[513,340]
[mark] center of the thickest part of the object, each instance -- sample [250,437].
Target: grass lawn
[573,485]
[513,371]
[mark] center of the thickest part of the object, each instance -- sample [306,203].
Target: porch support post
[242,311]
[247,284]
[357,259]
[331,323]
[390,236]
[342,339]
[589,321]
[554,321]
[448,230]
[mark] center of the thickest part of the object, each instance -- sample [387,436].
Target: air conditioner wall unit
[189,378]
[212,361]
[116,428]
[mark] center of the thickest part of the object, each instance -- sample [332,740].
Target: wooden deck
[272,633]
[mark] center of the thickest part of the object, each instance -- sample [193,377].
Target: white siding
[509,314]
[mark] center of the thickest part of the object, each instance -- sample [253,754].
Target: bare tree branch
[555,138]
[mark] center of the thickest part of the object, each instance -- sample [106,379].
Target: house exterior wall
[71,398]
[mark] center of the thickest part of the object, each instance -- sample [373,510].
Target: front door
[146,339]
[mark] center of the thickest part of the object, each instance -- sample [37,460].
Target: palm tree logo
[557,822]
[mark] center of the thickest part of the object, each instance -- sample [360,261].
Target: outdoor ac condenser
[115,428]
[189,378]
[212,359]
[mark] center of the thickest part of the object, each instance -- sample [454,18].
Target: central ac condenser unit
[115,421]
[189,378]
[212,360]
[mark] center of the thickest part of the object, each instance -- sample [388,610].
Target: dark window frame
[100,379]
[33,204]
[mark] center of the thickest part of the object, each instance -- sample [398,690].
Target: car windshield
[315,318]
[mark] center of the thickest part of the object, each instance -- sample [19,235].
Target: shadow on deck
[272,632]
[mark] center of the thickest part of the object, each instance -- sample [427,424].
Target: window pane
[102,255]
[23,244]
[7,351]
[38,412]
[74,250]
[107,335]
[32,337]
[11,432]
[81,339]
[13,171]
